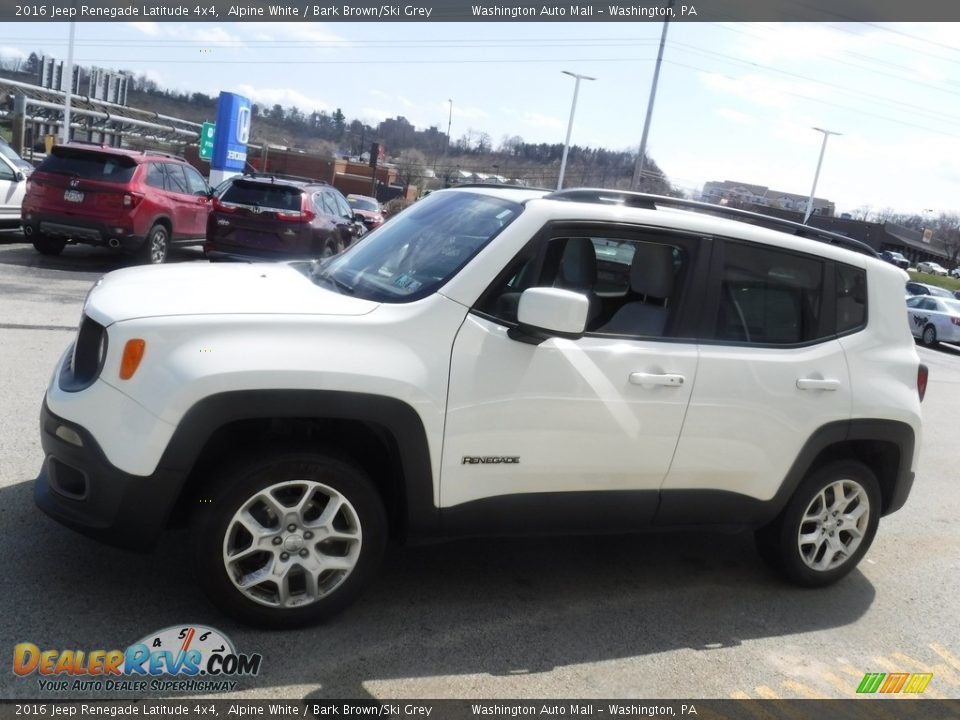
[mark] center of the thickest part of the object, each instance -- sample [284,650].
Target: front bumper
[78,487]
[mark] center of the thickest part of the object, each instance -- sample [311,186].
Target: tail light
[922,374]
[306,214]
[131,200]
[219,206]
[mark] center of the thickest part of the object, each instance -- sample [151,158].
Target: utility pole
[816,176]
[573,109]
[638,169]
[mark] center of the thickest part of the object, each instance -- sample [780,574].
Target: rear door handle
[666,380]
[817,384]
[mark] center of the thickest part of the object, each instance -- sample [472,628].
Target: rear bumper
[79,488]
[82,230]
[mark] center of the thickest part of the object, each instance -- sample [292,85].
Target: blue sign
[233,133]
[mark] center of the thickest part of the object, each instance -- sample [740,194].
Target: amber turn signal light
[132,355]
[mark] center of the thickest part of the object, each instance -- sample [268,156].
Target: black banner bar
[480,11]
[900,708]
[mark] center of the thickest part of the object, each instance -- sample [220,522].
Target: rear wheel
[157,245]
[929,336]
[289,537]
[46,245]
[827,527]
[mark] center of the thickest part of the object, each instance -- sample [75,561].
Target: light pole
[449,122]
[816,176]
[68,86]
[573,109]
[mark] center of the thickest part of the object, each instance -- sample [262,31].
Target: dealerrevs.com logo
[187,658]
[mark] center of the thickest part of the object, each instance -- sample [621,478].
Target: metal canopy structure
[38,111]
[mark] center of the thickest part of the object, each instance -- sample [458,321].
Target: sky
[735,101]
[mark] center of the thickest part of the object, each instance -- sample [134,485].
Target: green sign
[206,141]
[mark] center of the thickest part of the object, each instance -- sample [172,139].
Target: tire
[156,246]
[330,248]
[46,245]
[829,550]
[929,336]
[293,580]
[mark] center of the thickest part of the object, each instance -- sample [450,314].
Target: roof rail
[91,143]
[278,176]
[163,154]
[653,202]
[509,186]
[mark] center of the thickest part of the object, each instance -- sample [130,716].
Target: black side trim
[561,513]
[710,507]
[396,417]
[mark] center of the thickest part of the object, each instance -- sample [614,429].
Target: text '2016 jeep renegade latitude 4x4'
[490,361]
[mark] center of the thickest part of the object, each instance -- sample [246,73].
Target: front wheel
[827,527]
[288,538]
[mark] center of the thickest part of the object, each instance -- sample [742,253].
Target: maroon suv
[275,217]
[138,202]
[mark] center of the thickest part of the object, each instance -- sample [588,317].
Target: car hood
[215,289]
[368,214]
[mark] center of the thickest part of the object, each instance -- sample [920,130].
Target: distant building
[739,194]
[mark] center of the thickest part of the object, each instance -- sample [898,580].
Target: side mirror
[547,312]
[18,176]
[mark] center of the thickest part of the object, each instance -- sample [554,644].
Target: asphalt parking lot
[660,616]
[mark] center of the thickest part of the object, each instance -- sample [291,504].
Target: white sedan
[934,319]
[931,268]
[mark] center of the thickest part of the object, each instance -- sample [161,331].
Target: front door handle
[817,384]
[666,380]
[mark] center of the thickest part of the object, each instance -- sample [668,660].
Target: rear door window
[88,165]
[176,182]
[770,297]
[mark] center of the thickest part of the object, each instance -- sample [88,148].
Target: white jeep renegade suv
[491,361]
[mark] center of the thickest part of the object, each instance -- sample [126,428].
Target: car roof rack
[278,176]
[161,153]
[653,202]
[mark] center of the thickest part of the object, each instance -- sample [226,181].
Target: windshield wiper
[335,282]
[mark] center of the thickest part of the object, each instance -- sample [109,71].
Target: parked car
[931,268]
[915,288]
[14,171]
[492,360]
[934,319]
[271,217]
[138,202]
[368,210]
[895,258]
[955,273]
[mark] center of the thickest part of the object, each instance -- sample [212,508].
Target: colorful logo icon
[914,683]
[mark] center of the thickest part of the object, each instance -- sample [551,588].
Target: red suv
[138,202]
[276,217]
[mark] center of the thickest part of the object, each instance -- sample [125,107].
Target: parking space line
[945,654]
[767,693]
[805,690]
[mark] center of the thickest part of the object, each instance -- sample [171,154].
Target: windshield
[10,155]
[362,203]
[421,249]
